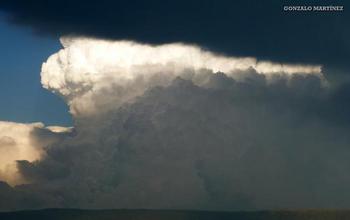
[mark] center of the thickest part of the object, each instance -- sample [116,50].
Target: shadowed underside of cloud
[241,28]
[178,127]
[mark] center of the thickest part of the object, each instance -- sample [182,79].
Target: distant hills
[75,214]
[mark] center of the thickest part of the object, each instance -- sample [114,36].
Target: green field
[74,214]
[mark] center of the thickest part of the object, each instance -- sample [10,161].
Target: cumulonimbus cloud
[178,127]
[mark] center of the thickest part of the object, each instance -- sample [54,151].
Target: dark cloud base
[241,28]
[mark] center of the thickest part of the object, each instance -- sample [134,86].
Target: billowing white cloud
[88,67]
[21,142]
[16,144]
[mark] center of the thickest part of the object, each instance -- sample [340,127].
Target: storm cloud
[188,129]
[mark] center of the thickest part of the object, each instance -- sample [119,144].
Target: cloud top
[86,66]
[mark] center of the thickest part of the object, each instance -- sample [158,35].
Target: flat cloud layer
[178,127]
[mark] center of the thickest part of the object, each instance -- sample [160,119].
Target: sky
[232,105]
[23,98]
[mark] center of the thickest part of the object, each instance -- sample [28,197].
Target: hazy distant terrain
[71,214]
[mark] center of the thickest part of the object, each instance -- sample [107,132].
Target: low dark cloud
[242,28]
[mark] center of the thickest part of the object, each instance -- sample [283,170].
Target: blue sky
[22,97]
